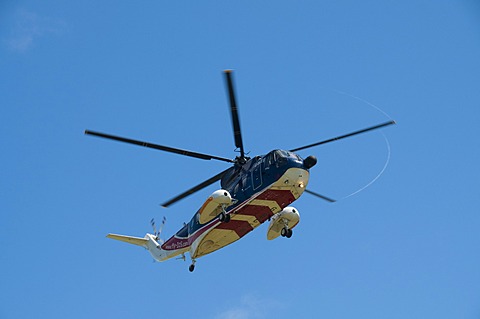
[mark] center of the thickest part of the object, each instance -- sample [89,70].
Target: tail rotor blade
[164,220]
[152,222]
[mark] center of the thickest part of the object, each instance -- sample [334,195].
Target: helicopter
[253,190]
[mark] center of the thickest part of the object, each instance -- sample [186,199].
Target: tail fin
[129,239]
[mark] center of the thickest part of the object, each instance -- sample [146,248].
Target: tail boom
[149,242]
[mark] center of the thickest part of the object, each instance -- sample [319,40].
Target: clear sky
[408,246]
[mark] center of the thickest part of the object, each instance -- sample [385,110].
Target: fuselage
[261,187]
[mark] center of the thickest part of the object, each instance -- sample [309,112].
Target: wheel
[284,232]
[289,233]
[222,217]
[191,268]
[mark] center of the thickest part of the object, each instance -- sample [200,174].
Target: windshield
[281,157]
[286,154]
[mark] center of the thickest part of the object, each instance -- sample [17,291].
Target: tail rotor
[159,232]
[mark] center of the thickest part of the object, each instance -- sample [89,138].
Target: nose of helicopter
[295,178]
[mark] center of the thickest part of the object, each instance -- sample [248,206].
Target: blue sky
[405,247]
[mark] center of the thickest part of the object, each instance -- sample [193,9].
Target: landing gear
[286,232]
[224,217]
[192,266]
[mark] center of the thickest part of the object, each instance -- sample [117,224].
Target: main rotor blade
[159,147]
[320,196]
[344,136]
[195,188]
[237,133]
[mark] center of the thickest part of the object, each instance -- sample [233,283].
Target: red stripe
[282,197]
[241,227]
[261,213]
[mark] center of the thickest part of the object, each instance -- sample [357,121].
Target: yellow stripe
[252,220]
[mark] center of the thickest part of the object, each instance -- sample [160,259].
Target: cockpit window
[281,157]
[283,153]
[269,159]
[296,157]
